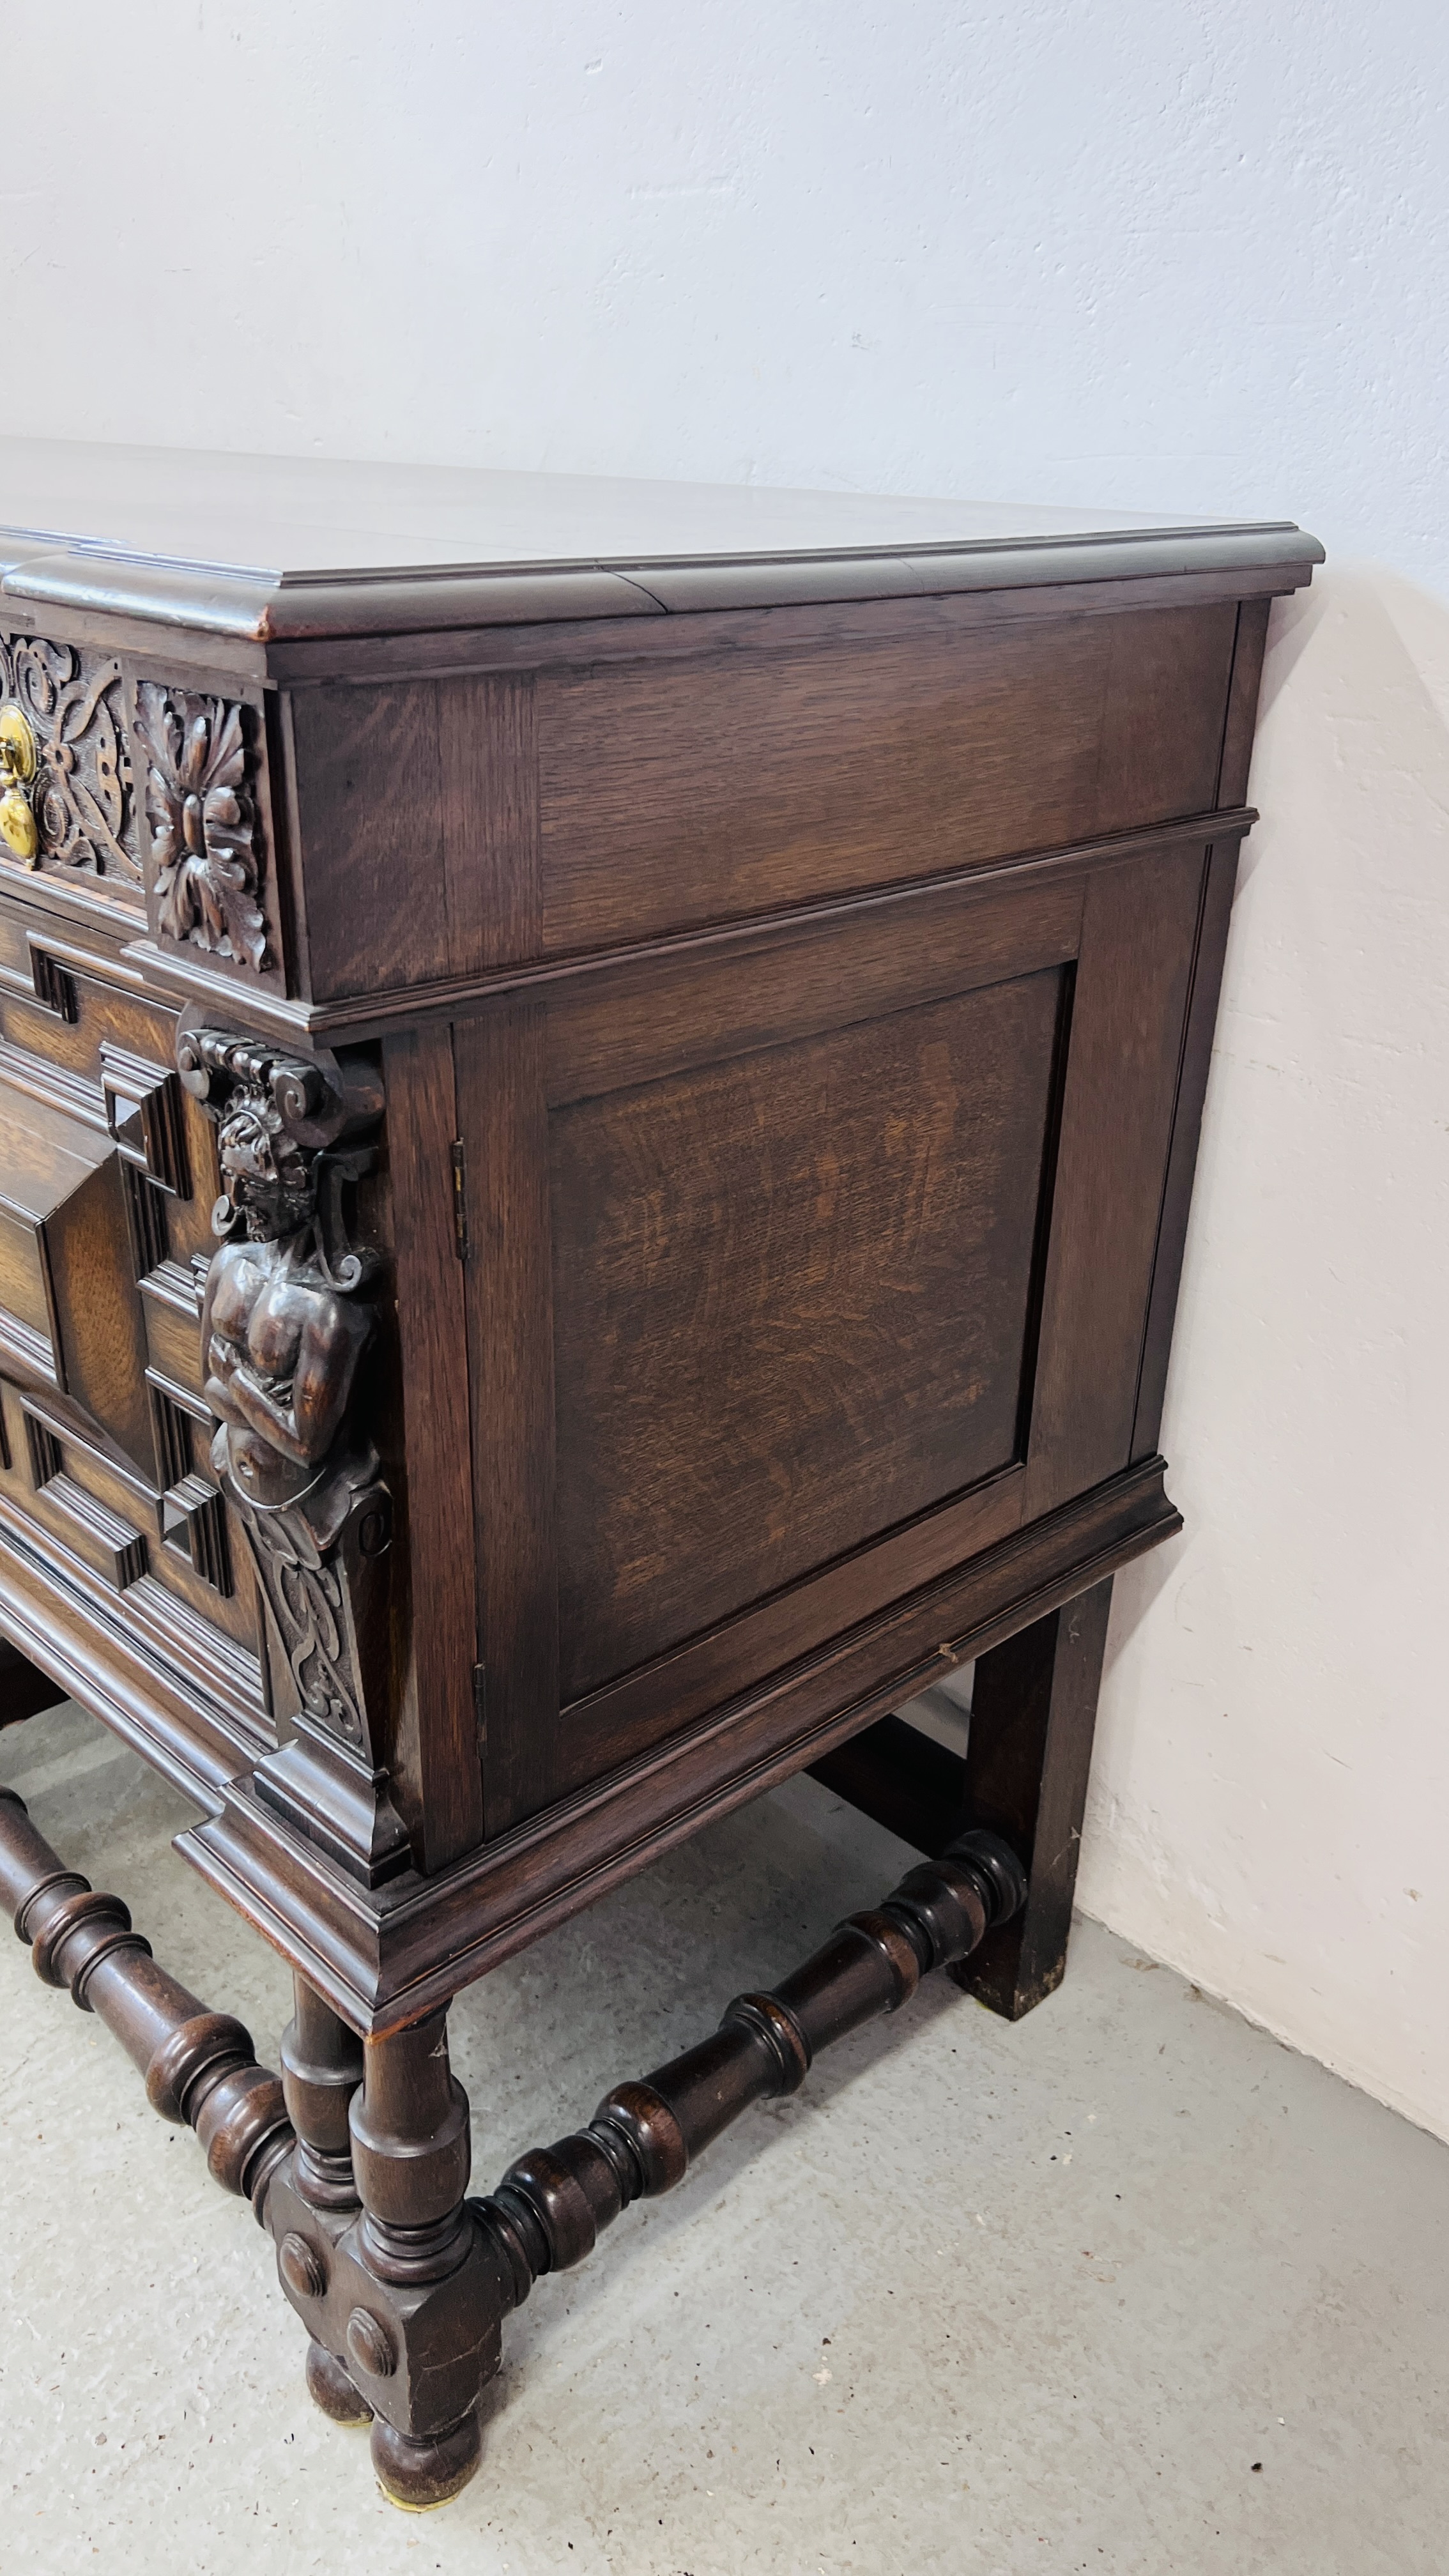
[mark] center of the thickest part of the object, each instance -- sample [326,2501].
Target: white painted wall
[1176,254]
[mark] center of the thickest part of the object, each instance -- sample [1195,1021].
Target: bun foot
[420,2474]
[329,2387]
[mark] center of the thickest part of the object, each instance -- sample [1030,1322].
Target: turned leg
[1033,1710]
[411,2154]
[321,2070]
[404,2302]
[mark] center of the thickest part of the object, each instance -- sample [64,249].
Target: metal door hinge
[460,1199]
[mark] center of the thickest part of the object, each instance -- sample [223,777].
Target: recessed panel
[792,1301]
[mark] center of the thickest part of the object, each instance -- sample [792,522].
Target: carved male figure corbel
[284,1326]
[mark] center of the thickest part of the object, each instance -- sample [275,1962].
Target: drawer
[107,1177]
[165,1566]
[67,1297]
[130,790]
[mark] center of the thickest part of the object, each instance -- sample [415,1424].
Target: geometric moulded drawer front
[68,1303]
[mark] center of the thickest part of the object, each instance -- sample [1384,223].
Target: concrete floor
[1129,2287]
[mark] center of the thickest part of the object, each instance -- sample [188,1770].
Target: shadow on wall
[1272,1768]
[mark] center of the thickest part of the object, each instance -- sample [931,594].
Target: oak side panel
[791,1298]
[625,1718]
[645,1020]
[417,818]
[671,796]
[488,786]
[440,1776]
[503,1121]
[1207,976]
[1139,937]
[366,803]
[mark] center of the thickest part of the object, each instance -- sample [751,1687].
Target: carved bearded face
[264,1173]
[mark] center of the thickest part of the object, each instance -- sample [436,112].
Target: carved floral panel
[80,794]
[201,812]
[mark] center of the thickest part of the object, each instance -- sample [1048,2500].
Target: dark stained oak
[504,1244]
[599,1087]
[1023,1777]
[1133,975]
[684,796]
[436,1761]
[1033,1706]
[835,1339]
[198,2066]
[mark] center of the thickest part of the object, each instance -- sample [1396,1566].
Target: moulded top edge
[263,547]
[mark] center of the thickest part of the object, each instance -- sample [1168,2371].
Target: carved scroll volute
[286,1323]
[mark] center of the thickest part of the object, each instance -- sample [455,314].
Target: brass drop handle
[19,761]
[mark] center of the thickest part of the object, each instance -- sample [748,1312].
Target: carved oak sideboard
[598,1094]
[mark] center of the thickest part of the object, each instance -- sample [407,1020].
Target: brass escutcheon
[19,761]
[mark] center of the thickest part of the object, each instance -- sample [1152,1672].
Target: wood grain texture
[646,1019]
[791,1297]
[417,816]
[502,1120]
[671,796]
[67,1271]
[1139,929]
[437,1768]
[624,1718]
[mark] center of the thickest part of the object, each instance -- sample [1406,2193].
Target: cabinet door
[803,1270]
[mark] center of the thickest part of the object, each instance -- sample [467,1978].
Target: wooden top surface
[267,546]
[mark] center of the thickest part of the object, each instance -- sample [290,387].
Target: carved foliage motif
[317,1596]
[283,1331]
[203,823]
[81,795]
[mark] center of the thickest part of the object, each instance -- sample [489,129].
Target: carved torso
[282,1348]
